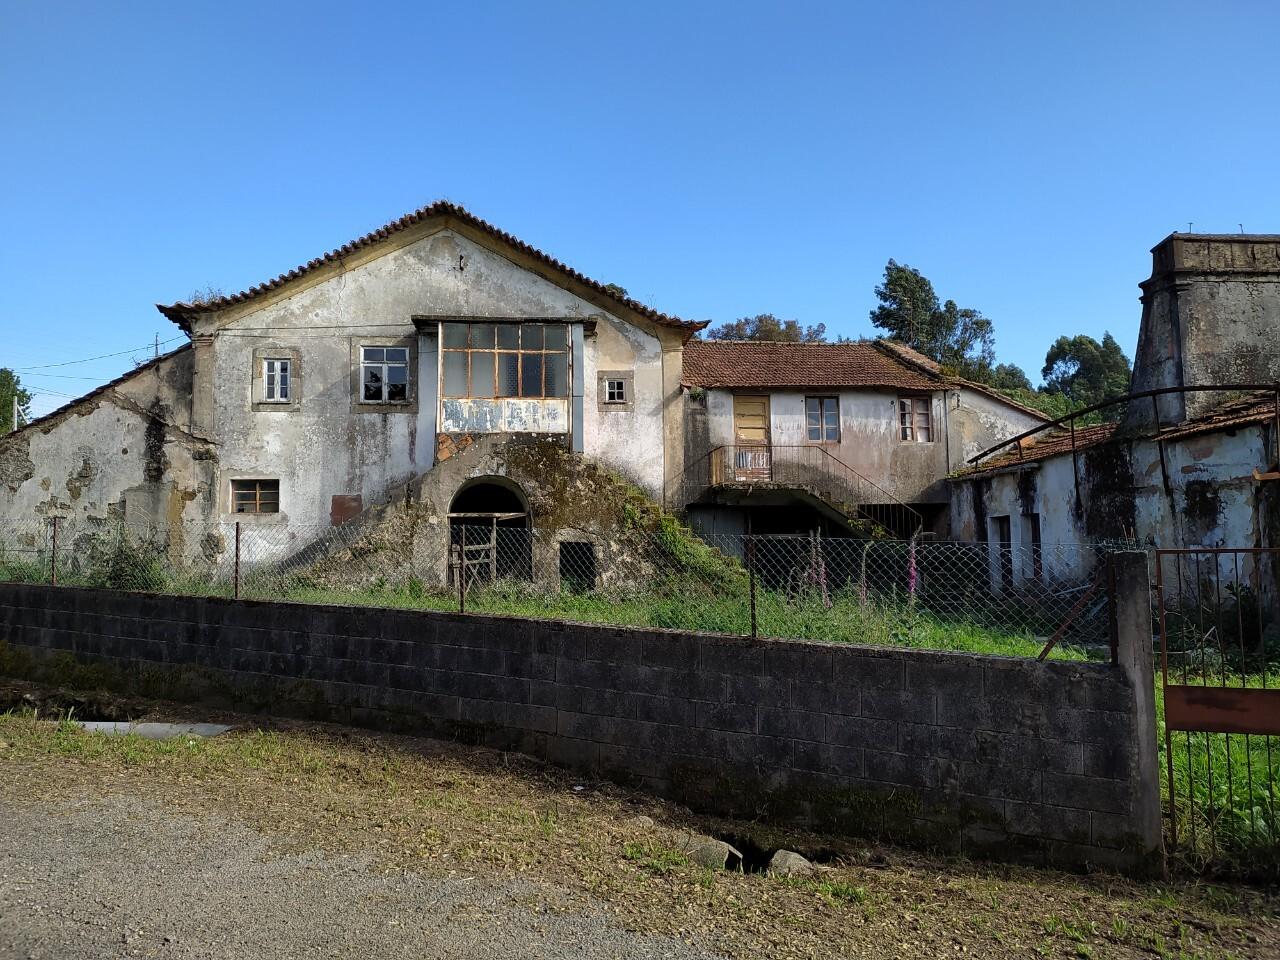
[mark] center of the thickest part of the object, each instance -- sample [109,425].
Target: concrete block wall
[1011,759]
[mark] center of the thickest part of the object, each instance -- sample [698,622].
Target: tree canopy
[765,326]
[1086,371]
[961,339]
[11,384]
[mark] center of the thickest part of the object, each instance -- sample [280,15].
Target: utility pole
[157,347]
[15,410]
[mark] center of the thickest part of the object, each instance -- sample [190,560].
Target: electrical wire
[121,353]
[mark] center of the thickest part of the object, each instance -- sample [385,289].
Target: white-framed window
[915,419]
[276,380]
[384,374]
[615,391]
[822,419]
[255,496]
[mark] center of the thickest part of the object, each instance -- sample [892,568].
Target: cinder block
[1027,718]
[532,666]
[953,674]
[581,642]
[584,726]
[738,717]
[900,768]
[575,754]
[811,662]
[1109,761]
[869,670]
[729,656]
[676,651]
[1095,689]
[608,703]
[1048,822]
[831,698]
[757,691]
[824,758]
[862,732]
[1088,793]
[521,716]
[1007,783]
[1114,830]
[905,705]
[673,710]
[792,724]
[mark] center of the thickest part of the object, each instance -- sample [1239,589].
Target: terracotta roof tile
[181,312]
[764,364]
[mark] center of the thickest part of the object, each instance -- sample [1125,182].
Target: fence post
[235,586]
[751,577]
[1135,658]
[457,561]
[53,555]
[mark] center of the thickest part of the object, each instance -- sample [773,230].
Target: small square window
[276,380]
[615,391]
[255,496]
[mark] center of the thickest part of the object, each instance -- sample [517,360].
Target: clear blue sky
[718,160]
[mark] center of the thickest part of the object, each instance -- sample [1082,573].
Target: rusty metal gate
[1219,620]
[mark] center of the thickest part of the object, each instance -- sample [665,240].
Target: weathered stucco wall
[1210,314]
[126,453]
[1210,500]
[964,423]
[329,445]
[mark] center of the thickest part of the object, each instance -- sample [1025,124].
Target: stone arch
[491,531]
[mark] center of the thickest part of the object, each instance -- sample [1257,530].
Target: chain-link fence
[996,598]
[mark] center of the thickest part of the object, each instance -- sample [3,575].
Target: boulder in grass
[788,863]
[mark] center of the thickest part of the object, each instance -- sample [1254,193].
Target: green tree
[1008,377]
[1086,371]
[766,326]
[11,386]
[961,339]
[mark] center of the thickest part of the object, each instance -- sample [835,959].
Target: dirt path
[289,839]
[122,878]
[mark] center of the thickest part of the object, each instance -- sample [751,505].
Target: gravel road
[113,878]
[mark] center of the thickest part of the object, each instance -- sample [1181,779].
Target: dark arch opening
[490,533]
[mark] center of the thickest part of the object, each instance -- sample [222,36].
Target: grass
[847,618]
[444,810]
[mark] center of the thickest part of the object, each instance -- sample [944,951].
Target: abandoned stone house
[443,371]
[1190,458]
[800,436]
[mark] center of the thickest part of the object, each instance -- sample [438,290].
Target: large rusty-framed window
[491,360]
[255,496]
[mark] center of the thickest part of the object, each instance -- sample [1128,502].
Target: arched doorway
[490,533]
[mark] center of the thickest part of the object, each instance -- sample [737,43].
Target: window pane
[482,336]
[508,336]
[531,336]
[482,374]
[373,383]
[554,336]
[557,366]
[397,373]
[374,354]
[455,374]
[284,384]
[455,334]
[508,374]
[811,406]
[815,432]
[397,354]
[397,392]
[530,374]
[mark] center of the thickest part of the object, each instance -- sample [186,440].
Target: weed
[654,858]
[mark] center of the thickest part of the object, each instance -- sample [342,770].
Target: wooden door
[751,460]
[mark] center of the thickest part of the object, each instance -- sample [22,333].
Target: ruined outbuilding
[1188,460]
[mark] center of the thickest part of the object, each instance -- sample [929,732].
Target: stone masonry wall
[990,756]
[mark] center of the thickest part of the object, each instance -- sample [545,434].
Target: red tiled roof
[181,312]
[765,364]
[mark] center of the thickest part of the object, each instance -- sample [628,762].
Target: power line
[121,353]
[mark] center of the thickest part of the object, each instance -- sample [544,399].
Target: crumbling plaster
[328,446]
